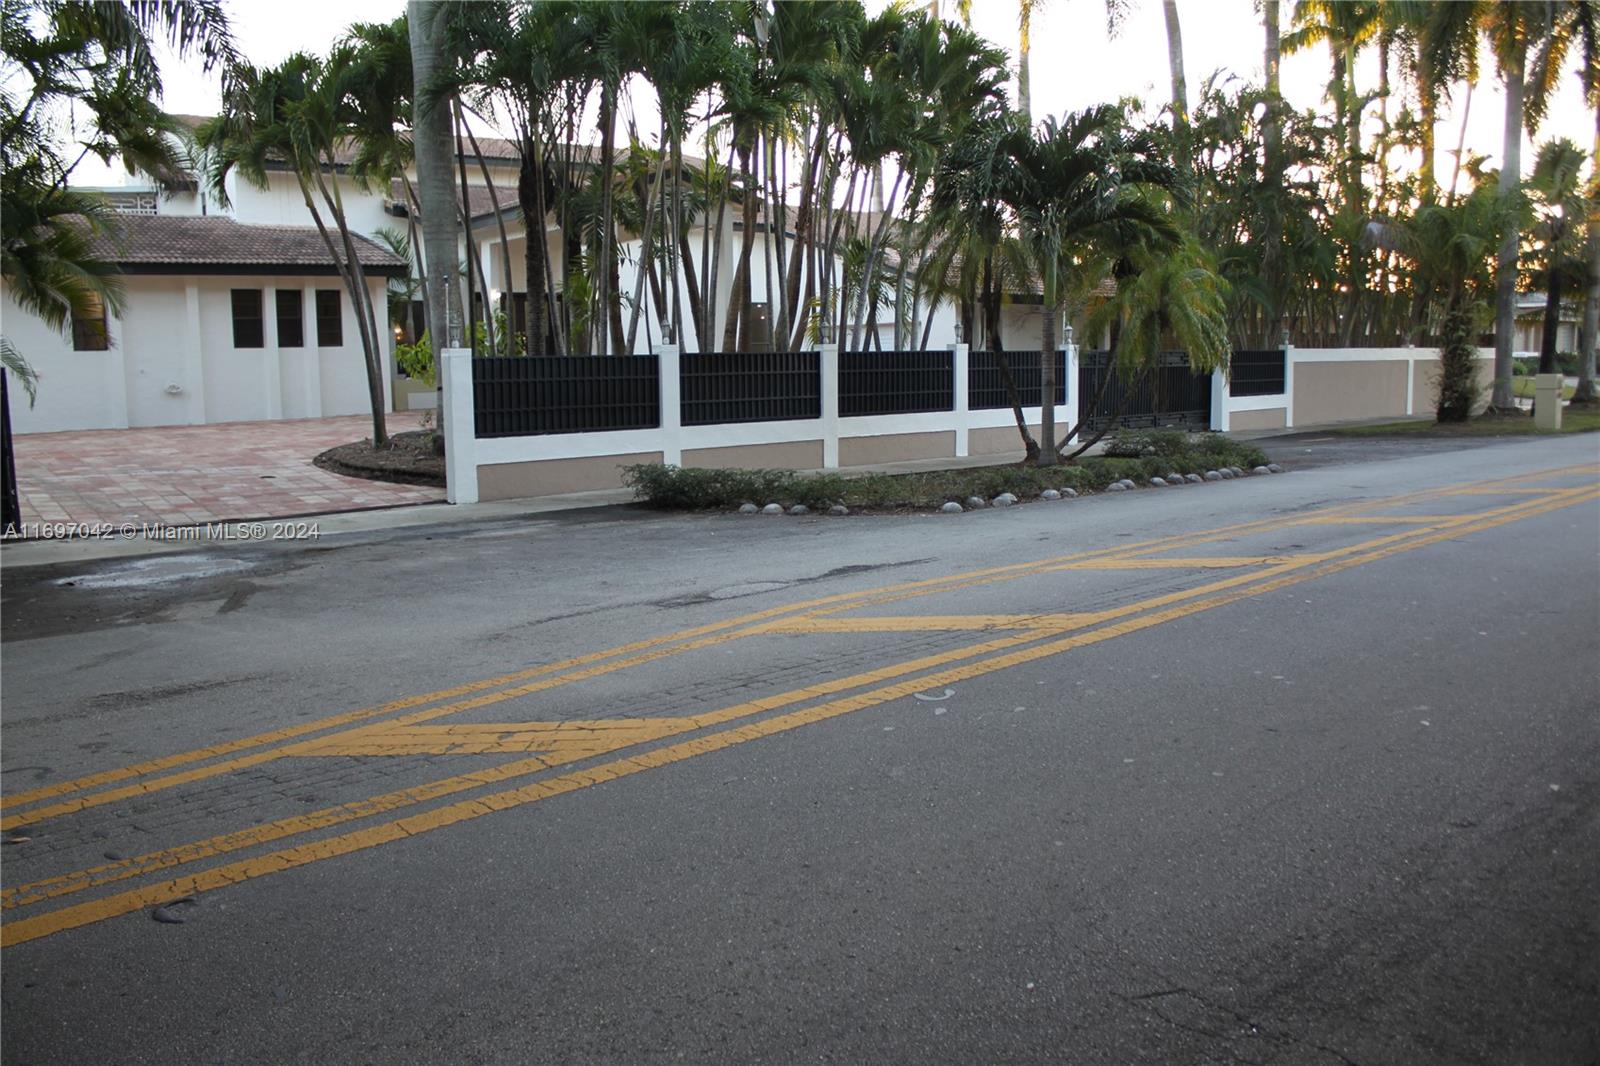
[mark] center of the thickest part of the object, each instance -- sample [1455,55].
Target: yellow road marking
[842,600]
[938,623]
[960,580]
[680,640]
[1165,563]
[27,929]
[1413,519]
[564,740]
[52,887]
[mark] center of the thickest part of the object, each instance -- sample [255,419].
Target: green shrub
[692,489]
[1132,444]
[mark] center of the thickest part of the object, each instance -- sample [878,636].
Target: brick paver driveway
[179,475]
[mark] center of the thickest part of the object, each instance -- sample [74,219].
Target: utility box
[1547,401]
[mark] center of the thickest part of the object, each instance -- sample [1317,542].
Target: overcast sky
[1074,64]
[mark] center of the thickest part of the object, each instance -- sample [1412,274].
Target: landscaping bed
[410,458]
[1135,457]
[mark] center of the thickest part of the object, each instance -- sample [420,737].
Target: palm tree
[298,115]
[1559,210]
[435,195]
[1165,295]
[1577,26]
[1345,26]
[1451,247]
[1513,30]
[98,60]
[1083,188]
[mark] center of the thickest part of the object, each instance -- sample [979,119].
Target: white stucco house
[222,322]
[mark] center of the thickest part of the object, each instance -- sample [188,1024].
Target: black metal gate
[1170,394]
[10,507]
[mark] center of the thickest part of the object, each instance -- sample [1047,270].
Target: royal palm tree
[435,194]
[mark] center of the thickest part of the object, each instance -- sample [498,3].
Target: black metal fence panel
[1258,372]
[520,396]
[895,383]
[986,389]
[722,387]
[1168,395]
[10,505]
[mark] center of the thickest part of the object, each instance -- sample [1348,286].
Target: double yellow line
[1002,653]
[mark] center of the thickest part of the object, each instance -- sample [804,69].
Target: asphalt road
[1294,769]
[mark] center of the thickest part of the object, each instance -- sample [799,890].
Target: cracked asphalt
[1321,789]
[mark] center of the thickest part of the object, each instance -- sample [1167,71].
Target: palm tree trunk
[1585,392]
[1552,322]
[474,263]
[530,199]
[1272,131]
[500,223]
[1047,387]
[1180,89]
[802,231]
[736,333]
[606,270]
[1505,291]
[430,139]
[1024,82]
[649,206]
[354,279]
[419,262]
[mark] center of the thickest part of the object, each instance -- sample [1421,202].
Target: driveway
[181,475]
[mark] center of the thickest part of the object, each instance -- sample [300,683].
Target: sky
[1074,65]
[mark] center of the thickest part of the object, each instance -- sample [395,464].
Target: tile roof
[496,151]
[177,244]
[479,204]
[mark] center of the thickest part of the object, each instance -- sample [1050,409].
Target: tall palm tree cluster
[880,158]
[1336,192]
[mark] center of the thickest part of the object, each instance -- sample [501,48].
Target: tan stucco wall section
[894,447]
[1424,380]
[791,455]
[546,477]
[1345,391]
[999,440]
[1267,418]
[1485,385]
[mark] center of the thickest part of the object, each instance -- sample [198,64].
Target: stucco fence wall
[1321,386]
[1326,386]
[512,467]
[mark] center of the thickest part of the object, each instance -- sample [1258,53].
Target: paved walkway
[181,475]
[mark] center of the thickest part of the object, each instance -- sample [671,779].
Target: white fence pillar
[830,405]
[461,436]
[1074,405]
[1219,401]
[668,362]
[959,362]
[1288,382]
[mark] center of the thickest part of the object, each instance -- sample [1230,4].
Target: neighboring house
[188,249]
[222,322]
[1529,333]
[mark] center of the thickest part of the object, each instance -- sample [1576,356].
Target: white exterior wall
[173,362]
[942,335]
